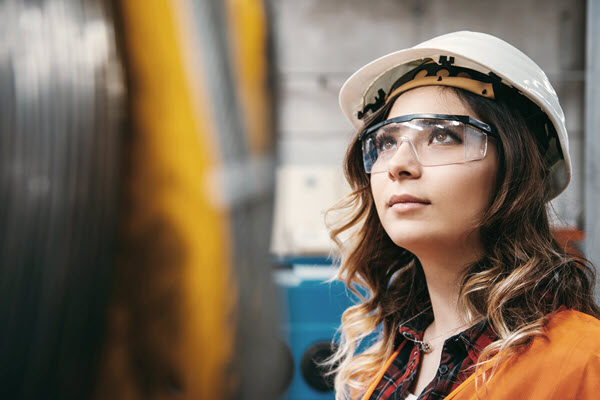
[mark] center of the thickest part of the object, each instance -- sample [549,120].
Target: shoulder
[573,330]
[562,364]
[569,356]
[572,319]
[570,340]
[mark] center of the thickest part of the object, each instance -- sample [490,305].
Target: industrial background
[165,169]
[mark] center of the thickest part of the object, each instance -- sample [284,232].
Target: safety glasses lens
[431,141]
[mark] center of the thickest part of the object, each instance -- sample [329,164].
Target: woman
[460,144]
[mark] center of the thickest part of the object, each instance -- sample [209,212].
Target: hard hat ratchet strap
[431,73]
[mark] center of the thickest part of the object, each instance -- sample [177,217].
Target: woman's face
[454,196]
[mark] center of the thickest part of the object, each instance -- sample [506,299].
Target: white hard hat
[475,51]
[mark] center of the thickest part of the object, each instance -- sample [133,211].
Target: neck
[443,272]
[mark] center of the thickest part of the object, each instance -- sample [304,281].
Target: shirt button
[443,369]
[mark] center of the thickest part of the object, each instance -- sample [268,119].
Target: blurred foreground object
[133,222]
[171,317]
[199,322]
[61,113]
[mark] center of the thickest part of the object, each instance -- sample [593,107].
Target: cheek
[466,196]
[378,185]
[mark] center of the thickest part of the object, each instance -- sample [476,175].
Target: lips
[406,199]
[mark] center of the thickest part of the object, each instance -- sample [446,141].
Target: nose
[404,162]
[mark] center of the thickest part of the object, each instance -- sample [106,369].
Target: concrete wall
[319,43]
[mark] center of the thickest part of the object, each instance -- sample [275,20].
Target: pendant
[425,347]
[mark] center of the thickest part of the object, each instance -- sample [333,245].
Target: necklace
[425,346]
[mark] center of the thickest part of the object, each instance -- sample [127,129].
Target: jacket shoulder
[574,339]
[572,330]
[563,363]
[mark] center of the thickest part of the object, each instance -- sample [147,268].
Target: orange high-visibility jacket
[563,365]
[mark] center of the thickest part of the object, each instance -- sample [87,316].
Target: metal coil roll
[61,117]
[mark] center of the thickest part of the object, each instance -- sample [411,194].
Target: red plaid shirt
[459,353]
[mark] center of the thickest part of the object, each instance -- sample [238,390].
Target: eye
[441,137]
[385,143]
[445,136]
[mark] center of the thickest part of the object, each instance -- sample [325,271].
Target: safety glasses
[435,139]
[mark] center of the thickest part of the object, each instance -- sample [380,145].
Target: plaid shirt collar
[459,354]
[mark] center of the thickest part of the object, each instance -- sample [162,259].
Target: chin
[416,237]
[411,240]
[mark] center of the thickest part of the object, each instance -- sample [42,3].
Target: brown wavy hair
[523,276]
